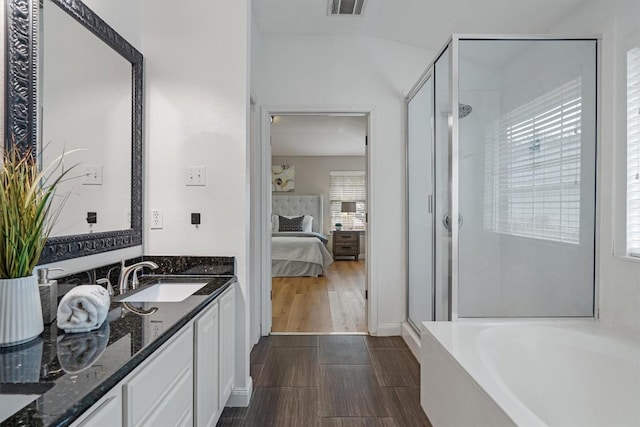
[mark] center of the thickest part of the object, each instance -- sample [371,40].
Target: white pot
[20,311]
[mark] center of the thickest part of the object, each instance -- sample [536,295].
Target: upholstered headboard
[289,204]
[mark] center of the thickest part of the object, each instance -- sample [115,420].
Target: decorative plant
[26,212]
[338,224]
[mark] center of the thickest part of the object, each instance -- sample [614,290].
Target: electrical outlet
[156,328]
[92,217]
[195,218]
[196,175]
[92,175]
[156,219]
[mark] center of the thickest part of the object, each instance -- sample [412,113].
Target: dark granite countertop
[66,374]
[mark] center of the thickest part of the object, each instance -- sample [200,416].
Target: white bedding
[307,249]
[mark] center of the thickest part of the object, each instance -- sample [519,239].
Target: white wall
[334,71]
[197,104]
[619,277]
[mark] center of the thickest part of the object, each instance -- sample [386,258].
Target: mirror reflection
[85,98]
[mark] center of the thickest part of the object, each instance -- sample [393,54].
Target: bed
[301,252]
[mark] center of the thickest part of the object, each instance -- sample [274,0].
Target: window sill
[627,258]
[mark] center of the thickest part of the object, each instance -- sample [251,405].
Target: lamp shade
[348,207]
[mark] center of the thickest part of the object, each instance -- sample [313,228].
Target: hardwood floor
[331,303]
[331,380]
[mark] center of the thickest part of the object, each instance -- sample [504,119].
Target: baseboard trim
[389,330]
[412,339]
[241,396]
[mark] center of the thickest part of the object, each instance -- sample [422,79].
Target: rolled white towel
[76,352]
[83,309]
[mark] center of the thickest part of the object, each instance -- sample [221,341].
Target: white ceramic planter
[20,311]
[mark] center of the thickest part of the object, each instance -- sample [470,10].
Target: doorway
[319,156]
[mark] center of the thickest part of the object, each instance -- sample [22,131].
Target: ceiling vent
[346,7]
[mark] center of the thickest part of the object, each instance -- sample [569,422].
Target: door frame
[371,303]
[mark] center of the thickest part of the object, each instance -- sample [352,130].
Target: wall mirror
[74,82]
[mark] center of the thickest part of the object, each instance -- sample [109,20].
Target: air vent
[346,7]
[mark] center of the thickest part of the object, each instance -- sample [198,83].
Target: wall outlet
[156,219]
[195,218]
[92,217]
[92,175]
[156,328]
[196,175]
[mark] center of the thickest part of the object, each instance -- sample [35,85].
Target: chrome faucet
[125,272]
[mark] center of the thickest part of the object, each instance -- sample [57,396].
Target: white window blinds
[633,151]
[532,168]
[348,186]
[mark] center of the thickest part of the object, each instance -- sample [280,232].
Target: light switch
[92,175]
[196,175]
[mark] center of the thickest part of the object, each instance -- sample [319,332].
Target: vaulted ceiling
[422,23]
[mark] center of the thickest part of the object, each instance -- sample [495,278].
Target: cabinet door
[164,384]
[107,412]
[176,408]
[207,402]
[227,344]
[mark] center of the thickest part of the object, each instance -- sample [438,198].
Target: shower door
[526,157]
[420,202]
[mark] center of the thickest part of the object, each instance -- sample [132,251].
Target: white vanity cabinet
[207,362]
[186,382]
[107,412]
[161,391]
[214,360]
[227,344]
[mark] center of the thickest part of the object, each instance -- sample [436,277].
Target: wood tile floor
[331,380]
[330,303]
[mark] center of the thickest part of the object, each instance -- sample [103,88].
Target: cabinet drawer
[346,238]
[347,250]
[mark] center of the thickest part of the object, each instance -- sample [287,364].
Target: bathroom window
[348,186]
[633,152]
[532,168]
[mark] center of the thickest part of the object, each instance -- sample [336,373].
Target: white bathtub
[556,373]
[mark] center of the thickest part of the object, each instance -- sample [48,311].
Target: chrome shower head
[464,110]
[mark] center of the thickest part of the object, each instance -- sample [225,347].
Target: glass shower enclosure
[501,136]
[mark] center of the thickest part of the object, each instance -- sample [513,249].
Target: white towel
[77,352]
[83,308]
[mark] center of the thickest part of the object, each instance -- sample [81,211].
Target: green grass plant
[26,211]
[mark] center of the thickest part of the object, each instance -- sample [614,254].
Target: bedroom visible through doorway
[318,223]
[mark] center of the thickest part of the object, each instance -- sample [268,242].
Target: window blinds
[348,186]
[532,168]
[633,151]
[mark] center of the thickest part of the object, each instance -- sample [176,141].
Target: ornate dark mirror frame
[21,114]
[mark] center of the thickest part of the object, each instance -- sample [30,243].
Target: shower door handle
[446,221]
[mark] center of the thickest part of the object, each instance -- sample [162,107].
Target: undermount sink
[165,292]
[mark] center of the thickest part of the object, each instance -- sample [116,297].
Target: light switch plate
[196,175]
[92,175]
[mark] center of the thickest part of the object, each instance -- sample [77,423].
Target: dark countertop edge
[71,415]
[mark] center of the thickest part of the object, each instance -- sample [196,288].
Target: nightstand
[346,243]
